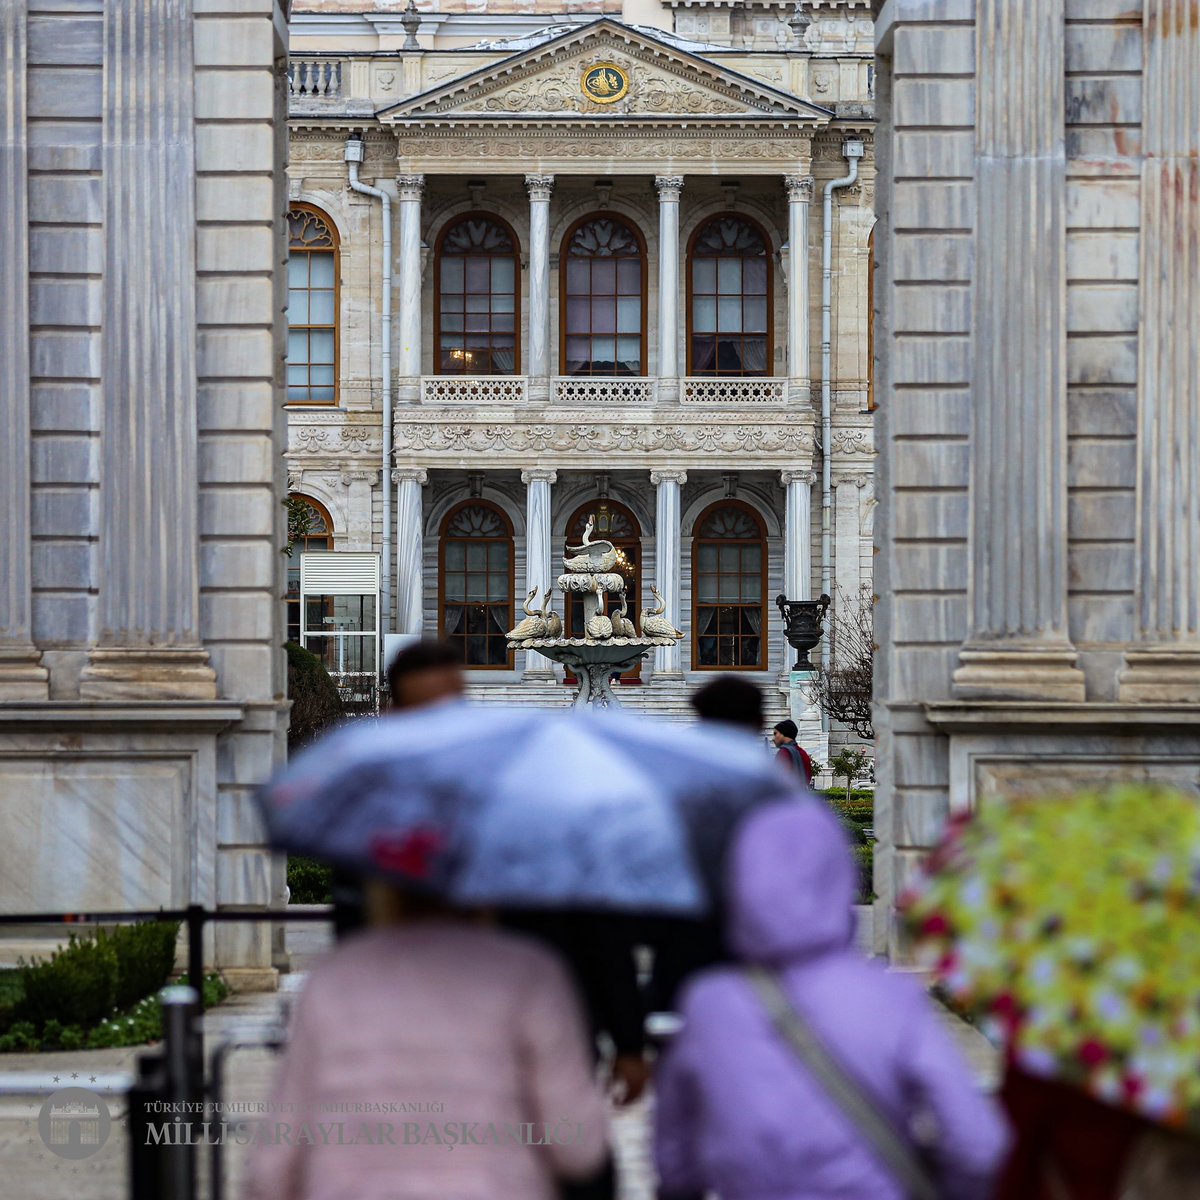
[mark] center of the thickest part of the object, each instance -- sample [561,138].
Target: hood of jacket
[792,882]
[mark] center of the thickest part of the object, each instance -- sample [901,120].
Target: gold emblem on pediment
[604,83]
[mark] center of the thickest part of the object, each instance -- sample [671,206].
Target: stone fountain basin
[584,645]
[607,581]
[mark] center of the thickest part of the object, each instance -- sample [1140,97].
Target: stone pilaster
[668,188]
[409,190]
[360,509]
[540,188]
[1164,665]
[1018,646]
[149,641]
[22,677]
[800,194]
[538,565]
[848,489]
[668,570]
[410,549]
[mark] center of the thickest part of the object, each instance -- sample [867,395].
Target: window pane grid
[476,608]
[730,617]
[312,310]
[603,318]
[477,299]
[730,301]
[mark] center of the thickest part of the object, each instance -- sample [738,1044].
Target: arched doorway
[614,523]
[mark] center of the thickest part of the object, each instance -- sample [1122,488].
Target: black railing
[174,1074]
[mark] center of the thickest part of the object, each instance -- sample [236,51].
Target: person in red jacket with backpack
[795,756]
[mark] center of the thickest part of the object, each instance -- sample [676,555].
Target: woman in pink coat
[433,1060]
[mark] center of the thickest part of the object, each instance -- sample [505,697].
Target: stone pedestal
[804,710]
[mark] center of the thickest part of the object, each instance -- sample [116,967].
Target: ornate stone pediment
[605,72]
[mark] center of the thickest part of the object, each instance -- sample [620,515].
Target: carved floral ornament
[577,437]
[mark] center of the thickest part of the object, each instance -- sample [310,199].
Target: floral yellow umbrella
[1069,928]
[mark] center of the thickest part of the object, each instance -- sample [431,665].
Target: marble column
[22,677]
[538,556]
[409,189]
[800,194]
[1017,646]
[539,188]
[149,597]
[668,572]
[797,534]
[668,188]
[410,549]
[1164,663]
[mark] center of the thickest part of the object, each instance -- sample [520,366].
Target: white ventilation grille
[339,574]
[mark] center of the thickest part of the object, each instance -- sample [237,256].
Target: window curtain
[503,359]
[754,355]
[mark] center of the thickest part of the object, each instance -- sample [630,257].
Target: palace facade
[556,260]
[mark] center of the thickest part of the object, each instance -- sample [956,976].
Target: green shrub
[865,857]
[316,702]
[22,1036]
[77,985]
[310,881]
[145,958]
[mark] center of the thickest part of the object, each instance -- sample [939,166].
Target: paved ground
[29,1171]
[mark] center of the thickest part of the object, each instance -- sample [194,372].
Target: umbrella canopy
[1070,929]
[524,808]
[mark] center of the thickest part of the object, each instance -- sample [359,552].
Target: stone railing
[751,391]
[592,389]
[314,79]
[473,389]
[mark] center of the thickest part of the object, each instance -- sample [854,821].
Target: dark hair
[426,655]
[788,729]
[731,699]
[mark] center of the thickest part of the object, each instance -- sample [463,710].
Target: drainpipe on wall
[354,156]
[852,150]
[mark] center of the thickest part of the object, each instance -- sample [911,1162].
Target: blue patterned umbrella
[524,808]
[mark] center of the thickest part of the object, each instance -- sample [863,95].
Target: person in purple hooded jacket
[737,1112]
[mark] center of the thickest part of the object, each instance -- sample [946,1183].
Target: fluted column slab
[540,188]
[668,188]
[1018,646]
[149,640]
[22,677]
[409,190]
[799,193]
[1164,665]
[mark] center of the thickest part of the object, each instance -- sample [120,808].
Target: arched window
[477,583]
[729,552]
[729,299]
[615,523]
[603,267]
[312,351]
[309,528]
[476,302]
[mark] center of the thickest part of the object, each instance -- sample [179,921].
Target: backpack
[800,761]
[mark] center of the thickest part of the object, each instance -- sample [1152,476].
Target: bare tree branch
[844,690]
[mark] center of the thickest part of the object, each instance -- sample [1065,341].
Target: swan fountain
[611,643]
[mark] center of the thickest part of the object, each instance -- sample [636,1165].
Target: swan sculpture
[534,625]
[554,625]
[598,626]
[600,555]
[622,625]
[653,622]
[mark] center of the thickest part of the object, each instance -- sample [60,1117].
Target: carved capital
[539,475]
[805,477]
[539,187]
[294,480]
[859,479]
[410,475]
[799,188]
[668,187]
[410,187]
[679,477]
[371,478]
